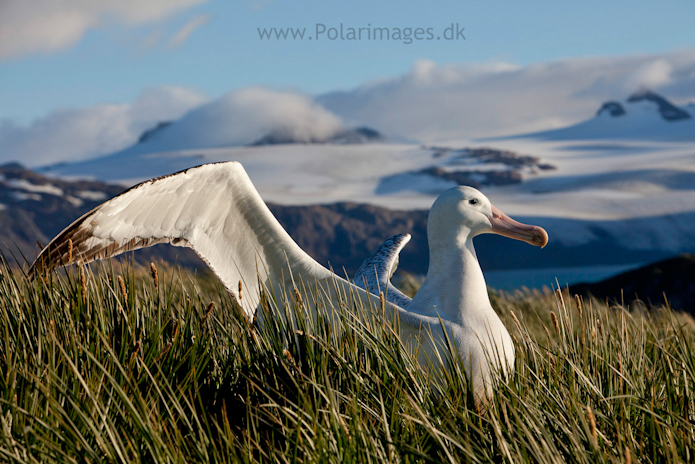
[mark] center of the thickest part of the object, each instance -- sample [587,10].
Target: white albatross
[215,210]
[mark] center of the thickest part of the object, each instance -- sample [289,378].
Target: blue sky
[116,55]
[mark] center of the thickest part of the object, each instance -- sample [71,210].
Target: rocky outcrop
[149,133]
[667,110]
[613,108]
[347,136]
[475,167]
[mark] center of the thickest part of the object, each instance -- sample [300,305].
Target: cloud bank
[75,134]
[431,103]
[50,25]
[244,116]
[442,102]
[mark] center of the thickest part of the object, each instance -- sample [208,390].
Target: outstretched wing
[213,209]
[376,271]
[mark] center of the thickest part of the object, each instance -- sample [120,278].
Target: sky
[68,66]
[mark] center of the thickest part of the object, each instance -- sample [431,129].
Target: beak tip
[508,227]
[543,236]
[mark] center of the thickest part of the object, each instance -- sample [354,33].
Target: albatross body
[215,210]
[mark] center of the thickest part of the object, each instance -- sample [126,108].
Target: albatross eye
[473,201]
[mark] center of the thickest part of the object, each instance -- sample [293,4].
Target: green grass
[90,374]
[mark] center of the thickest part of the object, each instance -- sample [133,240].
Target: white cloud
[439,102]
[50,25]
[185,32]
[243,116]
[74,134]
[652,74]
[237,118]
[431,103]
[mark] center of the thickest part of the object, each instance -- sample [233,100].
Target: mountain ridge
[343,234]
[643,115]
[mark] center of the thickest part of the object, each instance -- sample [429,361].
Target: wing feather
[213,209]
[374,275]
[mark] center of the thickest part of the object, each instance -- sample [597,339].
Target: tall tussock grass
[119,363]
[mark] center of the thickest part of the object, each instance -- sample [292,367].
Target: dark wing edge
[70,247]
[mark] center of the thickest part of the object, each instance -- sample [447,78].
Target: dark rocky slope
[34,207]
[672,279]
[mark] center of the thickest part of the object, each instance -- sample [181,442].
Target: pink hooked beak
[504,225]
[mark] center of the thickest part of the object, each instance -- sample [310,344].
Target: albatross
[215,210]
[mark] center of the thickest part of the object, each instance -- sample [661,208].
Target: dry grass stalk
[124,291]
[578,302]
[83,283]
[155,276]
[297,298]
[592,424]
[69,251]
[136,350]
[288,355]
[516,342]
[516,321]
[547,333]
[555,323]
[628,456]
[163,352]
[672,443]
[209,309]
[382,302]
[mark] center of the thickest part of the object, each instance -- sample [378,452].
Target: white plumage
[215,210]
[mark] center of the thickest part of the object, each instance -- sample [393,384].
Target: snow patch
[76,202]
[24,184]
[92,195]
[21,196]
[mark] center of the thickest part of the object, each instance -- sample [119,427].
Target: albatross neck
[454,287]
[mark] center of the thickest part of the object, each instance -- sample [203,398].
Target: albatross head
[465,212]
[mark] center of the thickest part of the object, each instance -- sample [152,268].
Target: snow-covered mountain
[614,190]
[645,115]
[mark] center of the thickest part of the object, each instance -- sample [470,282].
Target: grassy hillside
[113,366]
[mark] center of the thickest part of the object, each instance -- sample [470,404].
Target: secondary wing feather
[215,210]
